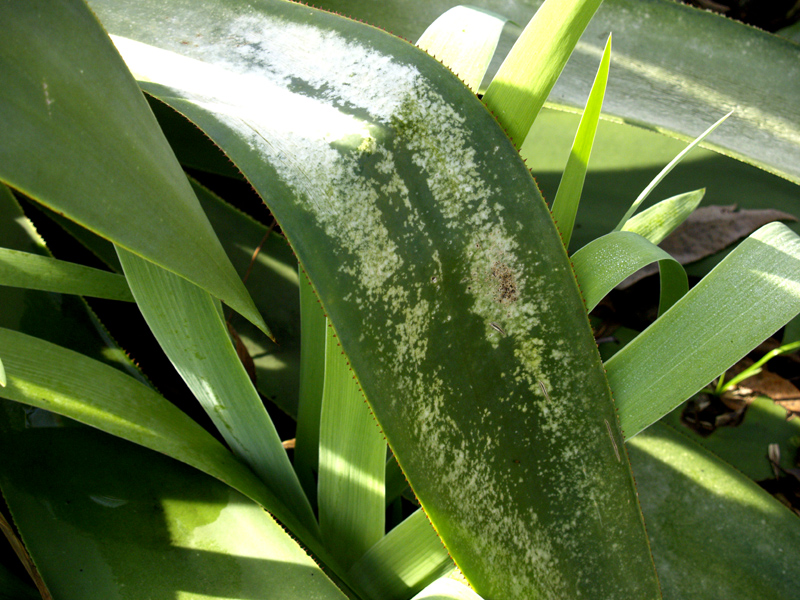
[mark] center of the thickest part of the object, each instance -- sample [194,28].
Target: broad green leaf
[46,376]
[568,196]
[352,462]
[104,518]
[79,137]
[746,446]
[752,293]
[606,262]
[425,258]
[186,322]
[314,327]
[464,39]
[32,271]
[403,562]
[715,533]
[658,83]
[665,171]
[521,86]
[658,221]
[447,589]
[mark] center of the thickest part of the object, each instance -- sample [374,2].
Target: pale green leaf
[665,171]
[703,516]
[568,196]
[606,262]
[402,563]
[3,380]
[657,83]
[352,462]
[32,271]
[464,39]
[313,331]
[447,589]
[187,324]
[753,292]
[661,219]
[79,137]
[521,86]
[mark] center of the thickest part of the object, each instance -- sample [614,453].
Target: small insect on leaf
[497,327]
[613,441]
[546,395]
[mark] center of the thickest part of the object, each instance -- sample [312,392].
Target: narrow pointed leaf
[661,219]
[464,39]
[568,196]
[79,137]
[665,171]
[25,270]
[352,462]
[438,264]
[186,322]
[521,86]
[751,294]
[314,327]
[606,262]
[402,563]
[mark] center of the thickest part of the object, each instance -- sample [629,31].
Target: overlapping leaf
[423,234]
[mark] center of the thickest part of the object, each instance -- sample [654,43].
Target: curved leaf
[658,83]
[464,38]
[67,100]
[658,221]
[425,238]
[752,293]
[447,589]
[606,262]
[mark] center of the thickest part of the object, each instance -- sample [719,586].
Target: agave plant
[427,276]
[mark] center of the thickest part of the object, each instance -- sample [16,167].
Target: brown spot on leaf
[504,282]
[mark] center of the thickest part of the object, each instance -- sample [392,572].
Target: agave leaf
[187,324]
[658,221]
[352,462]
[464,38]
[25,270]
[604,263]
[314,327]
[97,513]
[568,196]
[752,293]
[424,259]
[658,83]
[66,95]
[521,86]
[694,501]
[402,563]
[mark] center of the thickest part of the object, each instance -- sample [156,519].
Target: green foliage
[429,304]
